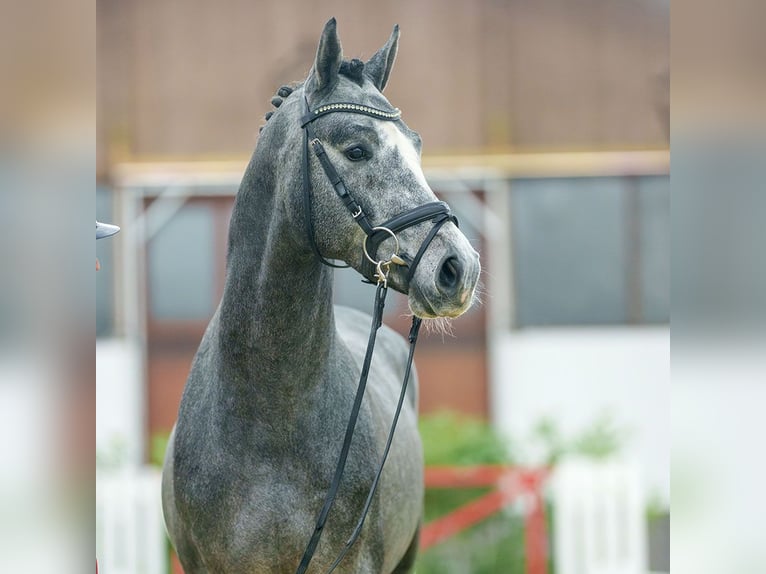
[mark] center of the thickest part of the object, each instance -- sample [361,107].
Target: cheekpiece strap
[339,186]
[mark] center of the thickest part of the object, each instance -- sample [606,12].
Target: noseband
[438,213]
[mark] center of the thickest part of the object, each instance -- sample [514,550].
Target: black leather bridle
[437,212]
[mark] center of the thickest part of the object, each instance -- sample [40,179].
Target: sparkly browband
[351,108]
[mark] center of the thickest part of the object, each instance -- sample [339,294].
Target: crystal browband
[357,108]
[352,108]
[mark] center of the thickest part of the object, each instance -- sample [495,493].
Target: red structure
[510,483]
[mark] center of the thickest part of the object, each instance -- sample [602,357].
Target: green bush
[159,444]
[600,440]
[495,545]
[492,546]
[457,440]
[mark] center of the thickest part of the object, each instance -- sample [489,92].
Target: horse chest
[271,511]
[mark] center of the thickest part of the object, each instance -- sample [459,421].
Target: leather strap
[438,212]
[423,246]
[307,205]
[413,338]
[380,301]
[337,183]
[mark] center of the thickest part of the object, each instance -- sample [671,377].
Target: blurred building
[544,125]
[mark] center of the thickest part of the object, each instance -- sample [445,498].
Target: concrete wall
[574,375]
[120,402]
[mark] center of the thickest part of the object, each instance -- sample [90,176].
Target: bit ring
[395,253]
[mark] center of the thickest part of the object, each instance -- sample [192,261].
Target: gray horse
[270,390]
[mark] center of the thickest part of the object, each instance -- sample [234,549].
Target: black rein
[437,212]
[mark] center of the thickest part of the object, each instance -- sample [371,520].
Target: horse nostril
[449,274]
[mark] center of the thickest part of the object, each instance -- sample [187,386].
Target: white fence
[130,532]
[599,525]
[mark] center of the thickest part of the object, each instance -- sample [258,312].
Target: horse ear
[324,74]
[379,66]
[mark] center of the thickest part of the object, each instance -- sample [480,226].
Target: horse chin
[422,306]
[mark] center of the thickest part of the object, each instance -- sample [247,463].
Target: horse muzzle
[450,290]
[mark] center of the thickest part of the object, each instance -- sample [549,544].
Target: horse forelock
[353,70]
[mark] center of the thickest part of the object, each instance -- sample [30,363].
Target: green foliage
[494,545]
[159,445]
[497,544]
[548,433]
[599,440]
[452,439]
[656,507]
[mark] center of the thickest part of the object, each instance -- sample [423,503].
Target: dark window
[590,251]
[182,270]
[655,249]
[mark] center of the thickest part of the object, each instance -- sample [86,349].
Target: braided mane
[352,69]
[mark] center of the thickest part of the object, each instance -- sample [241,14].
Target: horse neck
[276,323]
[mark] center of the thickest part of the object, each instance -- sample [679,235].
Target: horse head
[340,117]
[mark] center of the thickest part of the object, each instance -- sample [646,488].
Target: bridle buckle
[382,275]
[382,266]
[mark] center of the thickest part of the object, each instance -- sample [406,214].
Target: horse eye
[356,153]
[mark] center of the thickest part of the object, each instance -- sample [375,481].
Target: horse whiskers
[478,294]
[438,325]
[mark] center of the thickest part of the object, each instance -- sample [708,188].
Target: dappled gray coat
[268,397]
